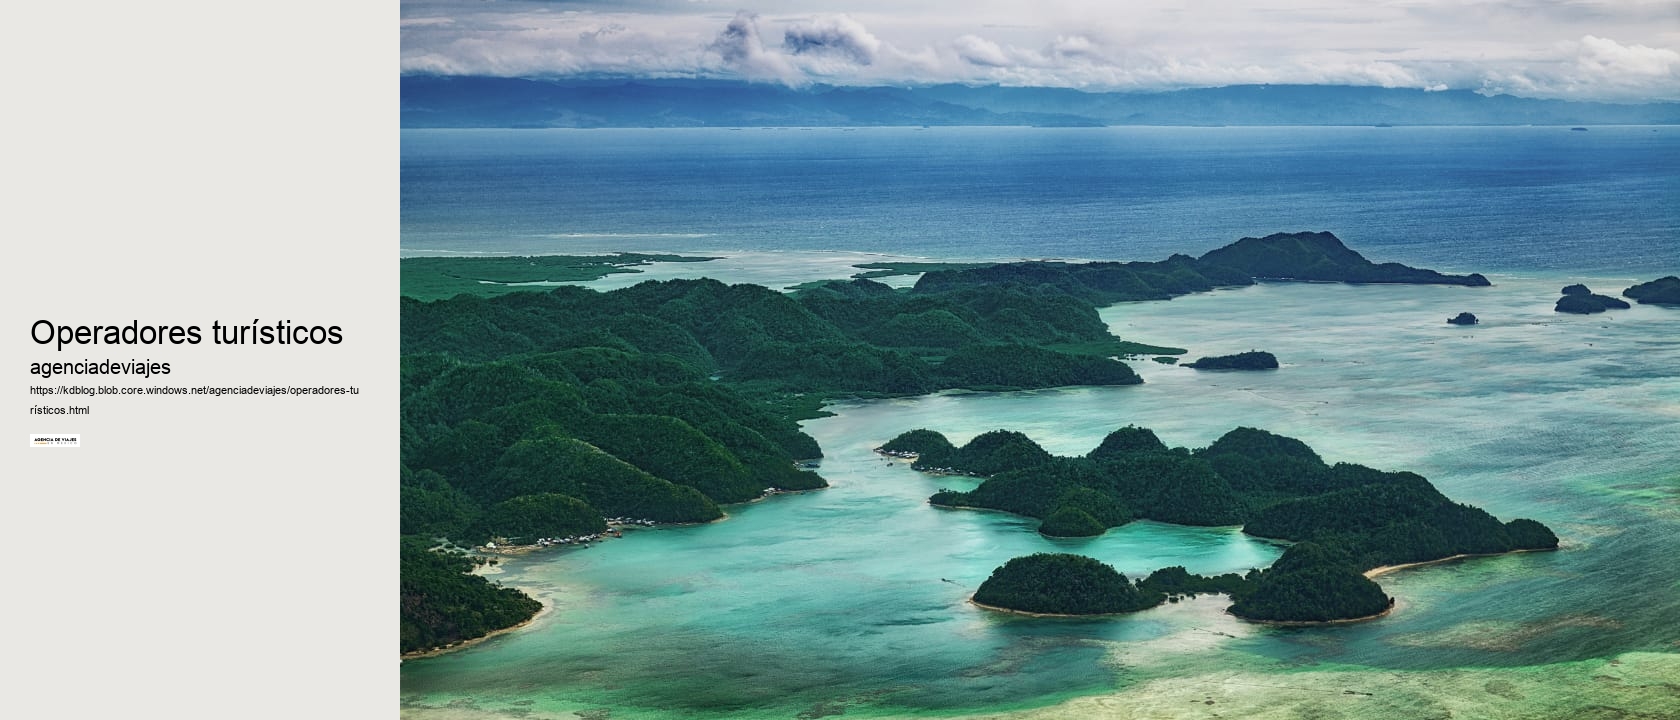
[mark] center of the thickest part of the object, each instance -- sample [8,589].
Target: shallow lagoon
[853,598]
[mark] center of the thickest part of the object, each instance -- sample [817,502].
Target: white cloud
[1592,68]
[1607,59]
[833,35]
[743,51]
[1623,51]
[980,51]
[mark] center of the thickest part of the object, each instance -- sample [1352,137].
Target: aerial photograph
[1065,359]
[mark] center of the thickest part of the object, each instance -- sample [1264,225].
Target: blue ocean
[852,600]
[1455,198]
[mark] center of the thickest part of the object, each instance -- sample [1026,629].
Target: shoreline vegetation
[1276,623]
[1392,604]
[547,607]
[533,412]
[1026,613]
[1347,523]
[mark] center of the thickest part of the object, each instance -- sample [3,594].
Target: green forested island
[535,415]
[1251,360]
[1581,300]
[1062,584]
[1343,519]
[1661,291]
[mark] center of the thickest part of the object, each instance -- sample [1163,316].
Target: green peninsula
[435,278]
[899,269]
[1342,519]
[1321,256]
[442,604]
[1314,256]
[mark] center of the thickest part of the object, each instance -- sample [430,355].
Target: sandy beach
[1386,569]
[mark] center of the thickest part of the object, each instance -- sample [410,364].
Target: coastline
[469,642]
[1381,570]
[1392,603]
[1029,613]
[519,550]
[1372,573]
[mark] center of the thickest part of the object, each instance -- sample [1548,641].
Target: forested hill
[1316,256]
[1321,256]
[1343,518]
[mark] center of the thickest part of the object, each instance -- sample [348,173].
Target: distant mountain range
[457,101]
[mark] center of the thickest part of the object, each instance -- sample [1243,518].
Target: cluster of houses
[573,540]
[614,529]
[946,471]
[907,455]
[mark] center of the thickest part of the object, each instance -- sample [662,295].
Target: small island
[1251,360]
[1662,291]
[1463,318]
[1061,584]
[1580,300]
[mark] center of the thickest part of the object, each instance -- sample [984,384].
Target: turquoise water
[854,597]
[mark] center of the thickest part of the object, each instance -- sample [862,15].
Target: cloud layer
[1625,51]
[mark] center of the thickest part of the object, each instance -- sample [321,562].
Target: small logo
[54,440]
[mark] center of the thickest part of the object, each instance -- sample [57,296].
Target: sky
[1617,51]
